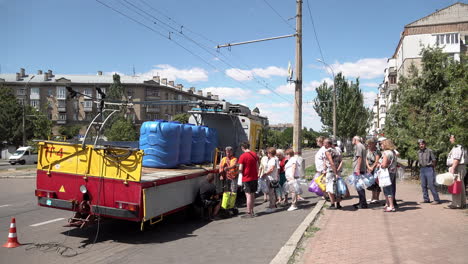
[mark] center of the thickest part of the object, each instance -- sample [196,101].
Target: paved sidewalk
[416,233]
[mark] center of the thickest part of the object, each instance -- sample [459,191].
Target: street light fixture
[334,96]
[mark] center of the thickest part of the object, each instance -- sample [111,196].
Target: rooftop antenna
[133,70]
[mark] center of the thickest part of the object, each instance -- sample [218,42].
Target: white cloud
[264,91]
[306,87]
[229,93]
[368,68]
[369,98]
[370,84]
[245,75]
[172,73]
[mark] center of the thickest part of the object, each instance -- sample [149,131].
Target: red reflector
[127,206]
[133,207]
[48,194]
[40,193]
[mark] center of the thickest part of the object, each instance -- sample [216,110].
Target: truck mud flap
[52,202]
[109,211]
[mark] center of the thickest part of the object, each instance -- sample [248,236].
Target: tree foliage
[69,131]
[430,104]
[121,129]
[284,139]
[116,89]
[37,125]
[352,117]
[182,118]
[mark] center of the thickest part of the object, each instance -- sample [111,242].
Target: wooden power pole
[297,128]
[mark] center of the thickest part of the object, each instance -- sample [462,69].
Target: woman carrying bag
[389,162]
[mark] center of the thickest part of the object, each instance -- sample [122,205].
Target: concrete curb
[288,249]
[16,177]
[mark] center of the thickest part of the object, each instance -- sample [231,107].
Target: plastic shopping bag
[455,188]
[341,187]
[320,180]
[313,187]
[229,200]
[384,178]
[262,186]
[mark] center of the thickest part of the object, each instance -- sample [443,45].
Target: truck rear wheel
[22,162]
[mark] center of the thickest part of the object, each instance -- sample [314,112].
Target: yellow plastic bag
[229,200]
[320,180]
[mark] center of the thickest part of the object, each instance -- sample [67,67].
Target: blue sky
[82,37]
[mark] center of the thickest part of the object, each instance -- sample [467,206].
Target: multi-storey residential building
[47,92]
[281,127]
[446,28]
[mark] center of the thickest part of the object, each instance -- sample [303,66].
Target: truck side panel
[65,193]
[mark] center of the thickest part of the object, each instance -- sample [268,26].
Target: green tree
[352,117]
[182,118]
[116,90]
[69,131]
[430,103]
[121,129]
[10,117]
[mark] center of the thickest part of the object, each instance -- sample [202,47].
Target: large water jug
[211,143]
[185,150]
[160,140]
[198,144]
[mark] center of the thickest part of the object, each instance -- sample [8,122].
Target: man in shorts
[248,171]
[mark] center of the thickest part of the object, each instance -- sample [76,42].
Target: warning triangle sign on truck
[62,189]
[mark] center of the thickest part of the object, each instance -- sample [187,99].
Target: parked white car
[23,155]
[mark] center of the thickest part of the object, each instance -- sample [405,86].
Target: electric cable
[207,49]
[274,10]
[315,31]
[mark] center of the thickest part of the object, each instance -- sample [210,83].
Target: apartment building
[47,92]
[446,28]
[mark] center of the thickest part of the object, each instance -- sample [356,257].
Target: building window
[34,93]
[62,103]
[35,103]
[392,79]
[49,115]
[88,104]
[88,92]
[152,92]
[50,92]
[62,117]
[152,116]
[21,91]
[129,92]
[451,38]
[61,92]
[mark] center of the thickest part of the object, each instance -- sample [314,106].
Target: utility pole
[297,128]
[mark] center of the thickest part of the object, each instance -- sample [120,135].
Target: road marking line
[5,205]
[47,222]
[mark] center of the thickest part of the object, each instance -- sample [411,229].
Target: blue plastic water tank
[185,150]
[211,143]
[160,140]
[198,144]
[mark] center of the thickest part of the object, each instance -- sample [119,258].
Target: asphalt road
[177,239]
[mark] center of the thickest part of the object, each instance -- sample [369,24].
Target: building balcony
[61,122]
[152,110]
[88,109]
[61,109]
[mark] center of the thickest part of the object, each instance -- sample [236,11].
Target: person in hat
[456,160]
[427,163]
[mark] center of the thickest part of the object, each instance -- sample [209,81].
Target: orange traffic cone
[12,241]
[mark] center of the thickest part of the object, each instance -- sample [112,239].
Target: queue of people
[278,172]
